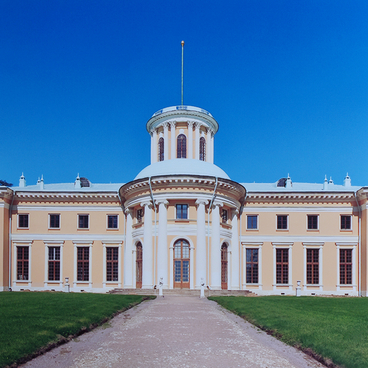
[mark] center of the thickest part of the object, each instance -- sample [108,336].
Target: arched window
[181,146]
[224,266]
[161,149]
[202,149]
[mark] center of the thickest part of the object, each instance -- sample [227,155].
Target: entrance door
[181,264]
[138,267]
[224,267]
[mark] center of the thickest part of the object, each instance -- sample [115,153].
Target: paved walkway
[175,332]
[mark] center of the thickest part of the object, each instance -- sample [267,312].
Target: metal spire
[182,72]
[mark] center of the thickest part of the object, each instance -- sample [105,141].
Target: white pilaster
[201,244]
[235,277]
[147,280]
[216,248]
[190,139]
[128,267]
[154,147]
[162,243]
[173,139]
[166,141]
[209,143]
[197,126]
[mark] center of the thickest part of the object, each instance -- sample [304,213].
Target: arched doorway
[181,264]
[138,267]
[224,266]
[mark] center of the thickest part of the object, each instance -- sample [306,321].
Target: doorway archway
[181,264]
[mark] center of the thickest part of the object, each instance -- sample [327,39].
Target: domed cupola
[182,132]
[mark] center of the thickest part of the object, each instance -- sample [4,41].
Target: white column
[190,139]
[166,141]
[197,125]
[152,152]
[209,144]
[128,267]
[212,136]
[173,139]
[154,143]
[162,243]
[201,244]
[216,249]
[235,277]
[147,280]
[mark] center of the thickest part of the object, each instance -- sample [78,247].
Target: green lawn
[335,328]
[30,321]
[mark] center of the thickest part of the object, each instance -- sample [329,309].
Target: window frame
[314,267]
[113,262]
[282,263]
[108,222]
[224,215]
[25,262]
[82,262]
[55,262]
[202,149]
[23,215]
[59,220]
[78,219]
[139,215]
[181,211]
[182,153]
[343,228]
[287,222]
[317,222]
[351,264]
[161,149]
[250,216]
[252,262]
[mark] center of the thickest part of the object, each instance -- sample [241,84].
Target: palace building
[184,222]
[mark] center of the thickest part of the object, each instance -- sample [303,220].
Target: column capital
[217,204]
[165,202]
[191,123]
[201,201]
[147,203]
[128,211]
[235,211]
[166,125]
[197,124]
[172,123]
[153,131]
[211,132]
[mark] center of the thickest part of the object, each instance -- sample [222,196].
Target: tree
[5,183]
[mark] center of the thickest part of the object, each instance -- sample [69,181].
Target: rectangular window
[313,266]
[139,215]
[83,221]
[282,266]
[112,221]
[182,211]
[252,222]
[282,222]
[54,263]
[312,222]
[23,221]
[83,263]
[112,264]
[224,216]
[346,266]
[54,221]
[345,222]
[252,266]
[22,263]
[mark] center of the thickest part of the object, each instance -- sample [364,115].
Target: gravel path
[175,331]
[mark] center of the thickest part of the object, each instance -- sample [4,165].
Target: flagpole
[182,72]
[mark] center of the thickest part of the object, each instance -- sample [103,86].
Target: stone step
[181,292]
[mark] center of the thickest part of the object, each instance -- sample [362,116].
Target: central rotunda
[182,224]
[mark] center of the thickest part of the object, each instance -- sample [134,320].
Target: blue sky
[286,80]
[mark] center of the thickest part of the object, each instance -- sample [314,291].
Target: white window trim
[49,222]
[353,246]
[22,244]
[107,244]
[312,214]
[81,243]
[276,245]
[181,219]
[48,244]
[107,221]
[83,228]
[29,218]
[287,221]
[258,246]
[341,214]
[257,228]
[313,245]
